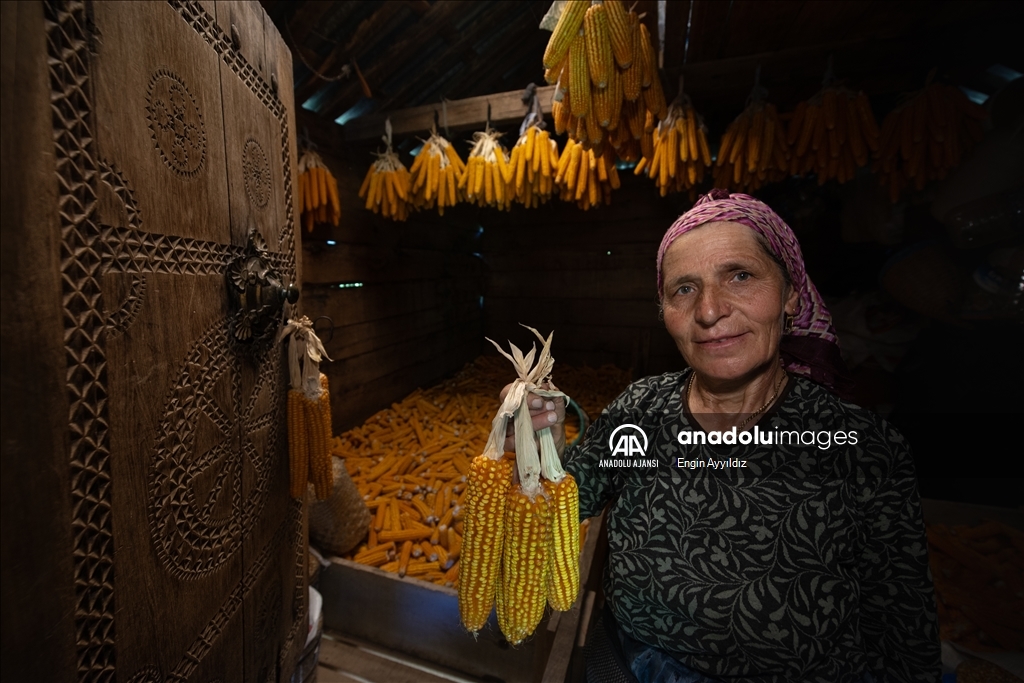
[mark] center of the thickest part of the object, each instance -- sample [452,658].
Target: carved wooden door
[172,138]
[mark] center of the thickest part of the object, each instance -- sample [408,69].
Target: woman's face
[725,301]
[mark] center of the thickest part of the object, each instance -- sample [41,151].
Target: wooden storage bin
[421,619]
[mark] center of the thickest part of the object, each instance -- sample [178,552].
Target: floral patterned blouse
[768,563]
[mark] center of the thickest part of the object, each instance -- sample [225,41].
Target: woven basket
[339,523]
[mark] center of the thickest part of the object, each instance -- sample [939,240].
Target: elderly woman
[804,560]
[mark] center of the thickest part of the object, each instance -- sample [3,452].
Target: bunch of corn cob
[754,149]
[521,548]
[681,154]
[926,136]
[487,180]
[532,166]
[586,177]
[602,59]
[417,453]
[386,187]
[318,192]
[435,174]
[834,133]
[309,412]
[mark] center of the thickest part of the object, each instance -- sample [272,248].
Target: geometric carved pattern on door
[194,536]
[88,251]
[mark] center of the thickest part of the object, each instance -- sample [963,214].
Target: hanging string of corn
[309,412]
[602,59]
[435,174]
[926,136]
[386,187]
[532,165]
[487,180]
[681,154]
[318,192]
[833,133]
[754,149]
[586,177]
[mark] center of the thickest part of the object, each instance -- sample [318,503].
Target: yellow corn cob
[565,32]
[579,81]
[563,575]
[599,47]
[618,32]
[632,83]
[524,565]
[482,542]
[298,444]
[648,63]
[319,452]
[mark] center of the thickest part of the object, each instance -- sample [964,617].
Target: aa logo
[626,442]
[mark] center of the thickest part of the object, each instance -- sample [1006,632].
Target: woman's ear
[792,300]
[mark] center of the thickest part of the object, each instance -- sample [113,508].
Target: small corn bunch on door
[924,137]
[318,192]
[586,177]
[602,59]
[521,547]
[487,179]
[309,412]
[435,175]
[681,152]
[754,149]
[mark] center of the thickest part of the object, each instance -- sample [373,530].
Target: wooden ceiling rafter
[371,30]
[404,50]
[440,63]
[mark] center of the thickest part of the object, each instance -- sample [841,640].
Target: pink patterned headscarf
[811,348]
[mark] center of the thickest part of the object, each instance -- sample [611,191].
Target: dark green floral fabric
[806,564]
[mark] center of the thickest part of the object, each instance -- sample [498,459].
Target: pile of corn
[410,462]
[532,167]
[386,187]
[925,137]
[487,180]
[834,133]
[435,175]
[681,154]
[586,177]
[754,149]
[318,192]
[602,59]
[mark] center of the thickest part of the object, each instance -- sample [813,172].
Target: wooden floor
[343,660]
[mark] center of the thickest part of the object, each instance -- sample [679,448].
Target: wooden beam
[409,44]
[506,107]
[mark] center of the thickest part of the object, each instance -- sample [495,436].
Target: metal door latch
[257,293]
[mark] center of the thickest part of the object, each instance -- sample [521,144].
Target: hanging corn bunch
[603,61]
[521,547]
[754,148]
[386,187]
[309,412]
[681,154]
[435,174]
[926,136]
[486,180]
[833,133]
[318,192]
[586,177]
[532,166]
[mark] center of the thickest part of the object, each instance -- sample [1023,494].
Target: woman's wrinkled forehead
[720,207]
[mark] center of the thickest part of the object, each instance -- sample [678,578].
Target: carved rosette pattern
[206,26]
[176,123]
[256,172]
[84,328]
